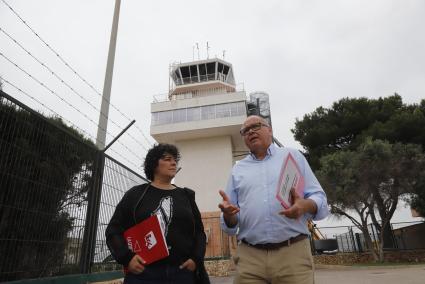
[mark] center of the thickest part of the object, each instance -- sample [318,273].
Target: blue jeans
[163,274]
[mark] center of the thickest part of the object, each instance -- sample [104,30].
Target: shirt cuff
[226,229]
[322,208]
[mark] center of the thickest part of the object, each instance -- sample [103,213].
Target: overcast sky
[304,54]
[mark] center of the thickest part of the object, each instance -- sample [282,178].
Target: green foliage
[371,179]
[349,123]
[350,120]
[45,173]
[376,169]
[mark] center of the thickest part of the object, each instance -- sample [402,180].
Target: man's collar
[270,152]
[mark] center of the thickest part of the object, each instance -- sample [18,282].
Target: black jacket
[123,219]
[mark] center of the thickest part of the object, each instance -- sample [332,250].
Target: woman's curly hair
[154,154]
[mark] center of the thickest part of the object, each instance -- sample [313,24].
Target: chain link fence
[58,192]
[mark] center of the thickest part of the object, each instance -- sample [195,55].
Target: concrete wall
[206,165]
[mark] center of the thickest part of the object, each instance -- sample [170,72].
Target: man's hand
[299,206]
[136,264]
[229,210]
[188,264]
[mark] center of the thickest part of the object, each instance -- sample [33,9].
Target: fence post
[312,246]
[347,239]
[395,243]
[352,239]
[92,215]
[359,243]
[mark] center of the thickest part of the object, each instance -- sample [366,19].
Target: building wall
[219,244]
[410,237]
[206,165]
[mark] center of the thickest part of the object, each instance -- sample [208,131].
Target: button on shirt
[252,186]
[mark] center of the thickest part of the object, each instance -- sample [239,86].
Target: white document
[290,177]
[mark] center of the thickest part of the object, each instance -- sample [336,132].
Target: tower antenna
[208,51]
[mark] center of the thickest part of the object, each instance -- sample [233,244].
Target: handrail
[164,97]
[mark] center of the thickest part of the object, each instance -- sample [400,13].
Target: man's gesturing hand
[226,207]
[229,210]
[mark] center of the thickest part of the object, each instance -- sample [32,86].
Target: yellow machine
[315,232]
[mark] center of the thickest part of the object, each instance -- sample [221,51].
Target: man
[273,241]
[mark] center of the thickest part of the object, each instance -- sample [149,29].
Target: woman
[176,206]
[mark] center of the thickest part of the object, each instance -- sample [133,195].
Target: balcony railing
[199,113]
[201,78]
[195,94]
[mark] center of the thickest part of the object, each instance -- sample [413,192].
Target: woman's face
[167,167]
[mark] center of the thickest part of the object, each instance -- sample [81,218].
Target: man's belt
[274,246]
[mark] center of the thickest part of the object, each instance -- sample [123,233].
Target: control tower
[202,115]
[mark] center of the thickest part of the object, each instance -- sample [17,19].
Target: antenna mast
[208,51]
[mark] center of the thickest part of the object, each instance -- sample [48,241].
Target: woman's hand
[188,264]
[136,264]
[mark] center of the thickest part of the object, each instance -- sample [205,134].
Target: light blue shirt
[252,186]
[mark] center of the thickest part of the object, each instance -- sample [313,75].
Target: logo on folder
[150,240]
[147,239]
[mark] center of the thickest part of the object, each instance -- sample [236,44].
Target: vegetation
[45,173]
[368,182]
[368,153]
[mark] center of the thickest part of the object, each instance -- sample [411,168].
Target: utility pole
[104,109]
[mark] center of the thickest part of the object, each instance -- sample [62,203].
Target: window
[193,113]
[199,113]
[234,109]
[185,71]
[208,112]
[223,110]
[154,118]
[165,117]
[226,69]
[241,109]
[179,115]
[194,73]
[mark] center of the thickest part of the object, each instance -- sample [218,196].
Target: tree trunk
[369,243]
[387,236]
[381,249]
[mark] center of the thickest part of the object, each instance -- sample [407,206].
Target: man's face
[256,134]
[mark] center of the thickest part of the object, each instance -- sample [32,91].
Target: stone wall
[222,267]
[395,256]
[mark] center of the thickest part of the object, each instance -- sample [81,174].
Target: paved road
[414,274]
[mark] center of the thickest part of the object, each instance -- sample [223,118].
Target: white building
[202,115]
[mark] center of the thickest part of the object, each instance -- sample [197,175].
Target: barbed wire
[68,86]
[49,109]
[88,135]
[73,70]
[66,102]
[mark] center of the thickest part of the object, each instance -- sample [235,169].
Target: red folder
[147,239]
[290,177]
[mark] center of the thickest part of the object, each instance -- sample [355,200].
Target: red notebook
[147,239]
[290,177]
